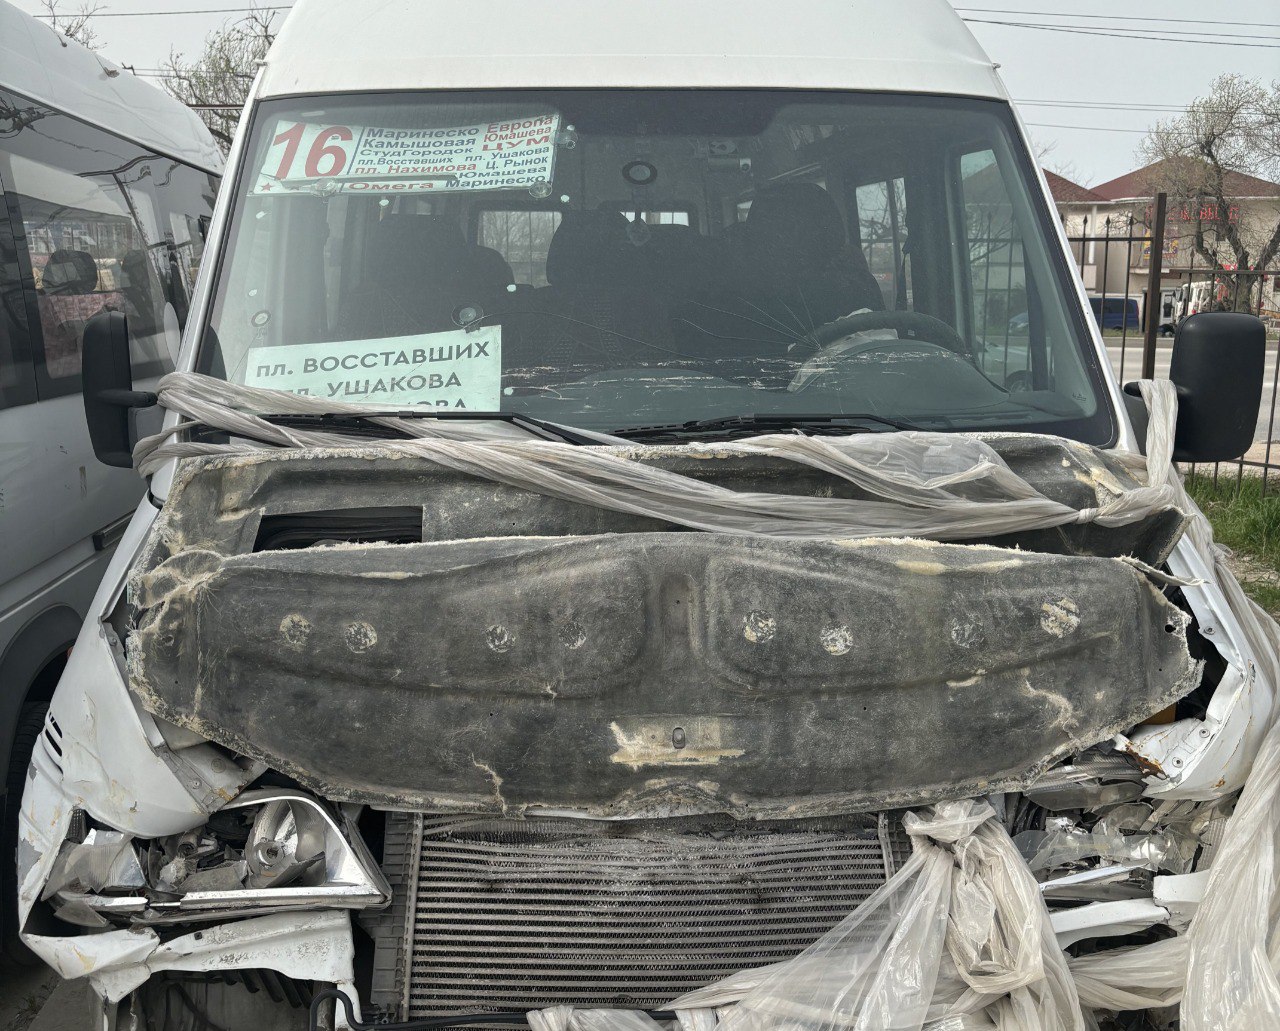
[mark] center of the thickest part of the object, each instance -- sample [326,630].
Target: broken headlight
[268,850]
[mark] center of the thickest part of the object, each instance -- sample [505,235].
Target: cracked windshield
[637,261]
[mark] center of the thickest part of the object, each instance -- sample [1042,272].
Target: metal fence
[1139,312]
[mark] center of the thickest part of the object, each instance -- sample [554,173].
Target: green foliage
[1248,522]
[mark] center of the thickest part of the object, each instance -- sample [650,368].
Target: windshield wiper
[362,425]
[771,422]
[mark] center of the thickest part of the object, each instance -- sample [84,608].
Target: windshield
[617,259]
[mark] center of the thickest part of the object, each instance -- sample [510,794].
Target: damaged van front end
[648,580]
[711,758]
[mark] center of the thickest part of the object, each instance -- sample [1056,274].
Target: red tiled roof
[1141,183]
[1066,192]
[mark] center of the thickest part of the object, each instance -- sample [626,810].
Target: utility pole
[1152,307]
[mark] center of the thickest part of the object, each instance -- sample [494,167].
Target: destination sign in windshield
[315,157]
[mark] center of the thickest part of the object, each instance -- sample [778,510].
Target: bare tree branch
[1233,129]
[223,71]
[75,26]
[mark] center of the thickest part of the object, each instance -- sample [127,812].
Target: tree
[1064,167]
[75,26]
[1235,129]
[216,83]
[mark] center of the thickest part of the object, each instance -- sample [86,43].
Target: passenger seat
[420,277]
[597,311]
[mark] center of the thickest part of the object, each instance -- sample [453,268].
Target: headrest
[404,247]
[491,268]
[70,272]
[137,269]
[795,221]
[591,247]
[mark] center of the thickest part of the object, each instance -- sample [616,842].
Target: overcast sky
[1058,66]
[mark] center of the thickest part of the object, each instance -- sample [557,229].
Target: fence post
[1152,309]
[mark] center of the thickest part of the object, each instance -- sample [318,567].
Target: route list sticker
[325,159]
[457,369]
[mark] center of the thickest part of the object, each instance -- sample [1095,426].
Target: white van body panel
[39,62]
[61,511]
[912,46]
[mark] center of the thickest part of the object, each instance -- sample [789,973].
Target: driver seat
[789,269]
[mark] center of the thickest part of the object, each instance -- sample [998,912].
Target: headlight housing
[269,850]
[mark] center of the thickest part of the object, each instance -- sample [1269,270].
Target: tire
[26,734]
[1017,382]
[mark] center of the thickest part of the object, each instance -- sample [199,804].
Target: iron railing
[1114,257]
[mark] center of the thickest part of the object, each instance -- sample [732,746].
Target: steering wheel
[926,326]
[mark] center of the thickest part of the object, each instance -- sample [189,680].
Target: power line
[1085,105]
[1099,128]
[165,14]
[1146,19]
[1199,35]
[1119,34]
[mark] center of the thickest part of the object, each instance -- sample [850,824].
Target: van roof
[43,65]
[914,46]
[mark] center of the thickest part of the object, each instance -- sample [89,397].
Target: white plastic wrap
[1135,978]
[943,486]
[1233,969]
[566,1018]
[958,934]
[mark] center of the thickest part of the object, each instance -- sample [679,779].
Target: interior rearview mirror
[107,383]
[1217,367]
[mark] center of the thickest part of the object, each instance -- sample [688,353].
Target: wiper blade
[363,425]
[774,421]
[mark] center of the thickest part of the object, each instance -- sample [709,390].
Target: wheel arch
[31,664]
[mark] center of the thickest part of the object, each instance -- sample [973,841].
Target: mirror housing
[1217,368]
[107,386]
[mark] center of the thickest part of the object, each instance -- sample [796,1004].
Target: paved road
[36,999]
[1132,358]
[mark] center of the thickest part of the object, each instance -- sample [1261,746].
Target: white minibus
[106,191]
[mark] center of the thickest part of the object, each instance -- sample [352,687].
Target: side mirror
[1217,367]
[107,384]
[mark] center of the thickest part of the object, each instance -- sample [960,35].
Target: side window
[882,228]
[84,247]
[522,238]
[17,374]
[106,228]
[166,201]
[1000,309]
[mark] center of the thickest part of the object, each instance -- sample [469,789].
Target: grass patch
[1248,523]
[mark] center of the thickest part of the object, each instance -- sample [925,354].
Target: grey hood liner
[650,672]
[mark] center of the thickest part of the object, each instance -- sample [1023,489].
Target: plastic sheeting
[959,931]
[959,939]
[1233,969]
[943,486]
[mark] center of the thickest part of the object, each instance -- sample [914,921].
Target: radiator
[491,914]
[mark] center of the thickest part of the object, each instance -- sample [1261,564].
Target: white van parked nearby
[595,574]
[106,191]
